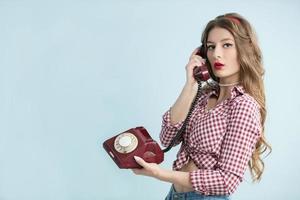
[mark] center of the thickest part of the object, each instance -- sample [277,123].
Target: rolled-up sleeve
[243,131]
[168,130]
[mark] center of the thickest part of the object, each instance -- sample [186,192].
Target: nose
[217,52]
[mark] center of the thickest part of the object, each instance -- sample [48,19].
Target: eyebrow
[225,39]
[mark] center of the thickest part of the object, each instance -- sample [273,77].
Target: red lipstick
[218,65]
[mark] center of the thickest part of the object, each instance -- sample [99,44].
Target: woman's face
[222,55]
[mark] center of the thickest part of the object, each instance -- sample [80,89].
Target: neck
[225,86]
[228,84]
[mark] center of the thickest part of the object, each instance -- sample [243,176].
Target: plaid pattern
[219,141]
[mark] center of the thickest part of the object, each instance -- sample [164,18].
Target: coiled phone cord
[183,127]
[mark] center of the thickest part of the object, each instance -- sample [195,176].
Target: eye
[227,45]
[210,47]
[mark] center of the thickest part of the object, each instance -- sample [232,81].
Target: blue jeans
[173,195]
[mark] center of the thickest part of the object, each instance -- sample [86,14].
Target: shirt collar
[235,91]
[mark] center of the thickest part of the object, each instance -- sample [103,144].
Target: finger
[141,172]
[198,59]
[193,64]
[196,51]
[136,171]
[140,161]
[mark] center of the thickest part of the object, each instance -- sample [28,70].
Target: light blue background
[74,73]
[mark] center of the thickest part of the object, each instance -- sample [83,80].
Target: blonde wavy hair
[251,75]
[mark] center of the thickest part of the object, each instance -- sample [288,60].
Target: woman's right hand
[194,60]
[181,107]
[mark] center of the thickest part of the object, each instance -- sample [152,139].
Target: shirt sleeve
[169,130]
[243,131]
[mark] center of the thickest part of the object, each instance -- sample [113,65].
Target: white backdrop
[74,73]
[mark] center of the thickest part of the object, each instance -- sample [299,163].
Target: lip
[218,65]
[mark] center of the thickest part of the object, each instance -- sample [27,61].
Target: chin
[219,74]
[223,73]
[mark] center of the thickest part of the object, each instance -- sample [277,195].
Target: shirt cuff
[196,178]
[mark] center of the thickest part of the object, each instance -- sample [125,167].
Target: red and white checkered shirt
[219,141]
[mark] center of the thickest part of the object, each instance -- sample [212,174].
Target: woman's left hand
[149,169]
[154,170]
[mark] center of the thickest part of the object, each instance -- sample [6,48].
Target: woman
[226,128]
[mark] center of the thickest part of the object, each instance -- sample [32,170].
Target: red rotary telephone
[133,142]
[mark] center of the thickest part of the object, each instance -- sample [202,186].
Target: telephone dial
[138,142]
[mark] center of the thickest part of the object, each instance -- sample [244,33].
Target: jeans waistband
[173,195]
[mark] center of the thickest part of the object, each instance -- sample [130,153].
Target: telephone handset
[202,73]
[138,142]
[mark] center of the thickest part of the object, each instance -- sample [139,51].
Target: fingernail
[135,157]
